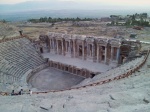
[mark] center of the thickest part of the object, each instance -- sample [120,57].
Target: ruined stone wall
[71,69]
[91,48]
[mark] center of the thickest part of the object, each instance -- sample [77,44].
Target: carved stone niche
[80,37]
[125,42]
[79,41]
[67,36]
[43,38]
[90,39]
[50,34]
[102,41]
[114,42]
[74,37]
[58,35]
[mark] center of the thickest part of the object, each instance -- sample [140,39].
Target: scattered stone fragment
[111,97]
[70,97]
[145,100]
[148,66]
[44,108]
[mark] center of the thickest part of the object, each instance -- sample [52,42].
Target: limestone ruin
[21,58]
[90,48]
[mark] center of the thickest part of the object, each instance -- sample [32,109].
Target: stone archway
[41,49]
[60,47]
[80,50]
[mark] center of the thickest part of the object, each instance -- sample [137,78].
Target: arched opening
[80,50]
[78,72]
[66,68]
[83,74]
[92,75]
[41,49]
[58,66]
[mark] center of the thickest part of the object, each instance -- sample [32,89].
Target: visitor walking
[30,92]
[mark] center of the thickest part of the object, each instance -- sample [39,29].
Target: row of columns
[73,48]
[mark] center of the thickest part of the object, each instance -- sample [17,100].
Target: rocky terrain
[131,94]
[7,30]
[95,28]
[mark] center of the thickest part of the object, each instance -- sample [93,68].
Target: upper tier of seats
[113,72]
[16,58]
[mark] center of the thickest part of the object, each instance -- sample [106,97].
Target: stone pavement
[53,79]
[92,66]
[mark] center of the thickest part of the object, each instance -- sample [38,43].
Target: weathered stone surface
[90,99]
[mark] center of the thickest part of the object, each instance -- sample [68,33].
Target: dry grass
[34,30]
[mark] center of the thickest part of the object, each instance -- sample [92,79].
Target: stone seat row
[122,69]
[6,78]
[16,58]
[114,72]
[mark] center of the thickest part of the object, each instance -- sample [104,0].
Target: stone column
[49,45]
[77,55]
[93,52]
[105,54]
[65,46]
[87,49]
[100,53]
[62,43]
[57,47]
[74,49]
[97,53]
[118,54]
[53,44]
[69,47]
[83,50]
[112,53]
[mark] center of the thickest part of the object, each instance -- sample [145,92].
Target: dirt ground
[131,94]
[33,30]
[53,79]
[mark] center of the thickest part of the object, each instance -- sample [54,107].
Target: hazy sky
[113,2]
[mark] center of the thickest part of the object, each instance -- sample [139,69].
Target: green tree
[112,22]
[4,21]
[128,22]
[78,19]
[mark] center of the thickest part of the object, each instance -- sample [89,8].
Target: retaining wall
[71,69]
[128,73]
[35,70]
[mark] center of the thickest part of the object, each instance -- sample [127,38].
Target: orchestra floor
[53,79]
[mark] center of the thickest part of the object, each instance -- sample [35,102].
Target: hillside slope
[7,30]
[130,94]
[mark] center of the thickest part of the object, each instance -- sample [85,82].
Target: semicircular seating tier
[16,58]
